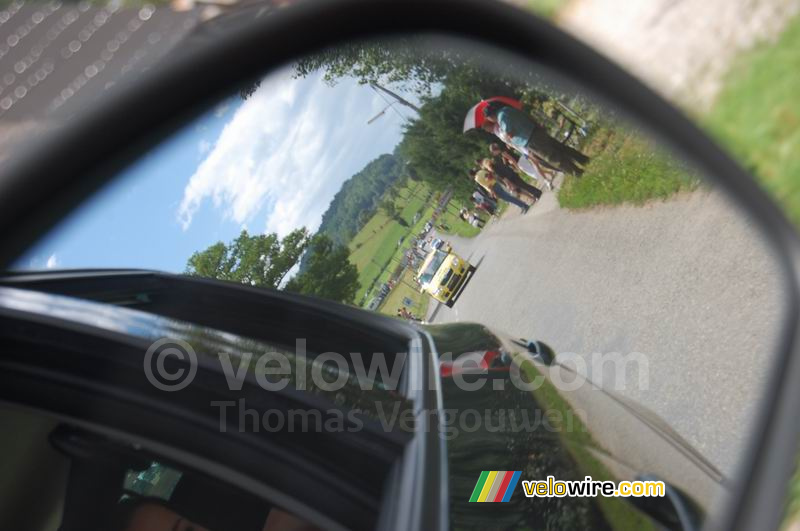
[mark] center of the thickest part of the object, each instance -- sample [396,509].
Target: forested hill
[353,205]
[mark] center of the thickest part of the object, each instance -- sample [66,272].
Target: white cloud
[285,153]
[52,262]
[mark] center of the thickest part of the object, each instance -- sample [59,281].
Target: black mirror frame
[45,184]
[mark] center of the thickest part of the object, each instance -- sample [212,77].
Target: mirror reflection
[442,183]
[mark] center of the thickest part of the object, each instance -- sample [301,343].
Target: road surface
[683,290]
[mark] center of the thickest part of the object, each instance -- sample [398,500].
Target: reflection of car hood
[625,439]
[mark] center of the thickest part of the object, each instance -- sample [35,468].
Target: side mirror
[319,92]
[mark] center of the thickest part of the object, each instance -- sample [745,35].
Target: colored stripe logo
[495,486]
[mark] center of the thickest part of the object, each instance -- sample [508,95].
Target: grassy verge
[625,168]
[578,441]
[377,247]
[757,116]
[793,505]
[546,8]
[454,224]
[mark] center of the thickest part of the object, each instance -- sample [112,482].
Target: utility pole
[381,113]
[400,100]
[377,116]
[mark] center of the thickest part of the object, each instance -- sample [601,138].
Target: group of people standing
[405,314]
[518,131]
[535,153]
[472,218]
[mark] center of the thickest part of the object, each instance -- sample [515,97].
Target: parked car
[443,274]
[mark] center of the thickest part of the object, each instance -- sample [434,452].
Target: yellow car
[443,274]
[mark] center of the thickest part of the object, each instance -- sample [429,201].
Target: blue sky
[269,164]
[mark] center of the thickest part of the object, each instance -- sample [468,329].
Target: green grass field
[625,168]
[757,117]
[455,225]
[412,200]
[374,247]
[375,251]
[405,289]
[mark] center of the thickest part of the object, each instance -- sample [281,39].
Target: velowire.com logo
[498,486]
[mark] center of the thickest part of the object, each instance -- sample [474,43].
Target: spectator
[515,127]
[472,218]
[489,182]
[531,166]
[484,203]
[512,180]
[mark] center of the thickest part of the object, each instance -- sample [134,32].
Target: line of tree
[359,198]
[419,64]
[265,260]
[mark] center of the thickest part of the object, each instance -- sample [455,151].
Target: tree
[214,262]
[412,173]
[248,90]
[328,274]
[407,60]
[434,144]
[257,260]
[389,208]
[362,218]
[355,203]
[418,64]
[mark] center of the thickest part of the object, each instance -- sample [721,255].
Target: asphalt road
[683,290]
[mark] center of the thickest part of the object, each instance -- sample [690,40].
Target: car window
[433,266]
[33,475]
[126,491]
